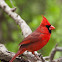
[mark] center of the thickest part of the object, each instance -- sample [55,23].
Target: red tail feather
[18,53]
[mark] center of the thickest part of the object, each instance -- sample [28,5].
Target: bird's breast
[39,44]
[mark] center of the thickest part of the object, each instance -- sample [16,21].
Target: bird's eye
[48,26]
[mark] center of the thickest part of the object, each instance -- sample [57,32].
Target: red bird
[36,40]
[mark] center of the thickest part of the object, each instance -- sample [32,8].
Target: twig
[54,51]
[13,9]
[58,60]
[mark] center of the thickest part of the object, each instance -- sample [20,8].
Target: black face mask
[48,28]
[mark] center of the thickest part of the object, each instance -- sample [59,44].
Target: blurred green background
[31,11]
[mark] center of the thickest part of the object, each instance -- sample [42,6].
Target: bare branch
[6,55]
[58,60]
[54,51]
[24,27]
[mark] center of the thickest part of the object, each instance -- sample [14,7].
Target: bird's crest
[45,21]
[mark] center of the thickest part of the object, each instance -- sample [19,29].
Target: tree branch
[5,55]
[10,11]
[54,51]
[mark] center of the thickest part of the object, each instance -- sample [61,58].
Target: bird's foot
[37,57]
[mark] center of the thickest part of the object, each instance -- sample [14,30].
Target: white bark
[5,55]
[24,27]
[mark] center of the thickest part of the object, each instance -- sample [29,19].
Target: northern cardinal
[36,40]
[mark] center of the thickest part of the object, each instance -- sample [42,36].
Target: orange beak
[51,27]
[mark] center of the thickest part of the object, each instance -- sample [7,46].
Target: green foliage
[31,12]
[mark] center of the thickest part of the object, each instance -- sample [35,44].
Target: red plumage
[36,40]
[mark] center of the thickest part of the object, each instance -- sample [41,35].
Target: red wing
[35,36]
